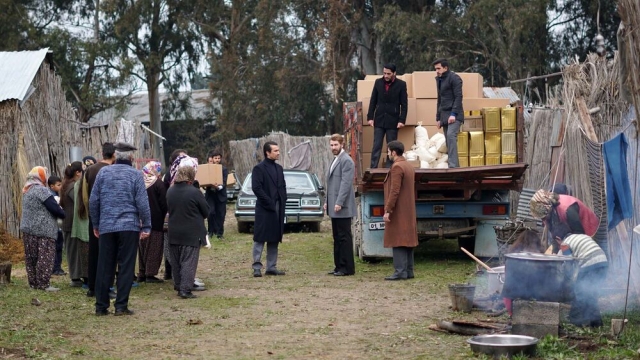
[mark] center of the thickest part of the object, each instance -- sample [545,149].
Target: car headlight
[247,202]
[310,202]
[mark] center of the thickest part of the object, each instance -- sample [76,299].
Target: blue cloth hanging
[619,197]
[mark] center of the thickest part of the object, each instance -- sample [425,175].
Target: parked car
[305,201]
[233,187]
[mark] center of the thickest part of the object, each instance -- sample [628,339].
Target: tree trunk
[367,46]
[155,115]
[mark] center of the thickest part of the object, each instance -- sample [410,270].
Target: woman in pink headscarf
[39,227]
[151,249]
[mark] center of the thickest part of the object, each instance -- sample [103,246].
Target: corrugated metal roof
[17,70]
[500,93]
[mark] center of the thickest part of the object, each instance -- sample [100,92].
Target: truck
[459,203]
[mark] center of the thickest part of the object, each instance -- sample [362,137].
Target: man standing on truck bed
[400,228]
[387,110]
[449,115]
[341,207]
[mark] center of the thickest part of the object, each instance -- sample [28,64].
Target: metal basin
[503,345]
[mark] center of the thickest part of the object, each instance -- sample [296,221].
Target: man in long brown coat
[400,231]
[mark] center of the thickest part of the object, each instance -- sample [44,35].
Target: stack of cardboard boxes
[422,107]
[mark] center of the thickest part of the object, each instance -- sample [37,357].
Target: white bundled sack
[410,155]
[433,151]
[422,136]
[443,148]
[424,155]
[424,164]
[443,159]
[442,166]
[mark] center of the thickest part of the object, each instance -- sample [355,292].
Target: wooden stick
[476,259]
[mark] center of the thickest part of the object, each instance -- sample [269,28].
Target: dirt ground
[306,314]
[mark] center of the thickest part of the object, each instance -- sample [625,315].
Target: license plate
[376,226]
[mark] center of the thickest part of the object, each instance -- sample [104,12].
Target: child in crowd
[55,184]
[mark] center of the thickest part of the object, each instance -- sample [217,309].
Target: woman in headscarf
[39,228]
[77,246]
[151,248]
[168,180]
[554,209]
[187,211]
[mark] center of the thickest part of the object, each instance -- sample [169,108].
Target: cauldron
[531,276]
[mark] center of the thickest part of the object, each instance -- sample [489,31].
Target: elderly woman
[39,228]
[77,245]
[187,211]
[150,249]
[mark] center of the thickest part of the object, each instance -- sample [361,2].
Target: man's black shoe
[257,273]
[141,279]
[91,293]
[331,272]
[122,312]
[339,273]
[395,277]
[198,288]
[102,312]
[274,272]
[153,280]
[187,295]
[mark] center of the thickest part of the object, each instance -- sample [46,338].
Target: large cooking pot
[541,277]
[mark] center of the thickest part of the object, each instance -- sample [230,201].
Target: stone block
[535,330]
[538,312]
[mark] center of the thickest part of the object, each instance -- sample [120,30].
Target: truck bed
[452,184]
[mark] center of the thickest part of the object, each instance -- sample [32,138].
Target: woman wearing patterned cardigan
[39,228]
[593,268]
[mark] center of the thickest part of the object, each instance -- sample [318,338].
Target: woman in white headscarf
[151,249]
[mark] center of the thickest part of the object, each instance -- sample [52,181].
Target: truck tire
[244,227]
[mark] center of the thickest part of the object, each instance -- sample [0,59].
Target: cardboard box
[471,85]
[463,145]
[471,104]
[508,117]
[414,163]
[476,160]
[209,174]
[491,119]
[426,110]
[509,145]
[372,77]
[366,160]
[492,144]
[406,136]
[231,179]
[365,109]
[364,89]
[476,144]
[509,159]
[463,160]
[424,85]
[472,123]
[367,139]
[408,78]
[492,159]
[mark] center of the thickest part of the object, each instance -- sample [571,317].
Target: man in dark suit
[450,115]
[270,189]
[341,207]
[216,196]
[387,110]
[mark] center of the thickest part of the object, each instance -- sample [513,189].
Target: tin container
[508,116]
[463,144]
[476,160]
[472,123]
[492,120]
[509,159]
[492,159]
[463,161]
[472,113]
[509,144]
[476,143]
[492,143]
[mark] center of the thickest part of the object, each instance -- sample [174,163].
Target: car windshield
[297,181]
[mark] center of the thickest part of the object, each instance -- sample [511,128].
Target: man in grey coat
[341,207]
[450,115]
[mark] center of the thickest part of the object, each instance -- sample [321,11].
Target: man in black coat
[387,111]
[267,183]
[450,115]
[216,196]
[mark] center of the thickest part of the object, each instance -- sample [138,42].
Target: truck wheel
[244,227]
